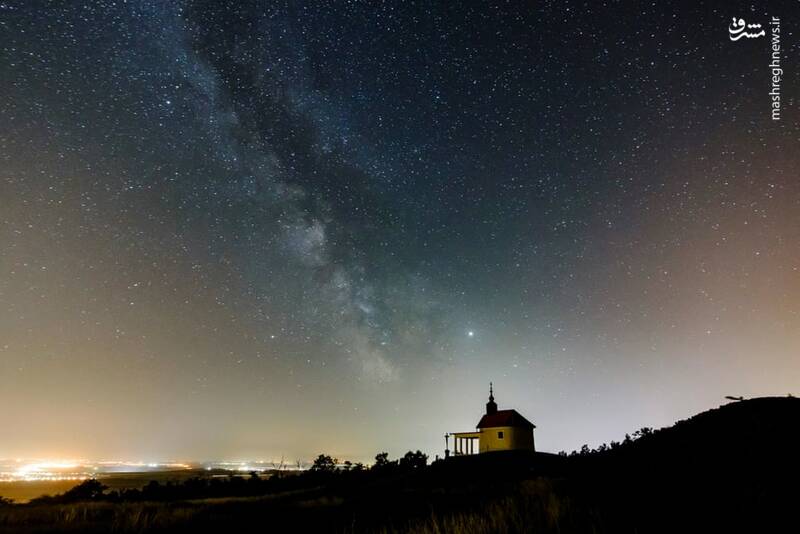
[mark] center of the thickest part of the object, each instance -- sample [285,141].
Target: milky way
[255,229]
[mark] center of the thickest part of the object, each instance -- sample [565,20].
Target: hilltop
[733,468]
[745,429]
[730,469]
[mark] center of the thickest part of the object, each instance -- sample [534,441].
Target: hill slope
[734,468]
[731,469]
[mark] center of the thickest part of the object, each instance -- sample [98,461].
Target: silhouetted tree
[383,464]
[381,460]
[152,491]
[413,460]
[87,490]
[323,464]
[279,466]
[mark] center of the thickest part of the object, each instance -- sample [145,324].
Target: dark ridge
[730,469]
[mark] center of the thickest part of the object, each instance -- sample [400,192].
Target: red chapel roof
[504,418]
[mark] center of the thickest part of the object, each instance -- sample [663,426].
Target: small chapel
[498,430]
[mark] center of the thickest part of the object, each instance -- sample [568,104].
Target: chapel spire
[491,406]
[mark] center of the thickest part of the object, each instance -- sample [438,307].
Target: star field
[254,229]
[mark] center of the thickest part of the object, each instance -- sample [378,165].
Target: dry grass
[536,507]
[135,517]
[95,517]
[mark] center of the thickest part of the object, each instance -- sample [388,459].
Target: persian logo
[739,29]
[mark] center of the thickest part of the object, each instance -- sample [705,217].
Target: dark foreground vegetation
[733,469]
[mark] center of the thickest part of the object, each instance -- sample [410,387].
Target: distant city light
[20,470]
[53,470]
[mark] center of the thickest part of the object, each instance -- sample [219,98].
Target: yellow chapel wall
[513,438]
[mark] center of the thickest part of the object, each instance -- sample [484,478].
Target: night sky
[262,229]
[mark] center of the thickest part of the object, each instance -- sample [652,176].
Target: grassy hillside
[732,469]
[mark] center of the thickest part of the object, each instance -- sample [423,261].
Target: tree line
[585,450]
[325,469]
